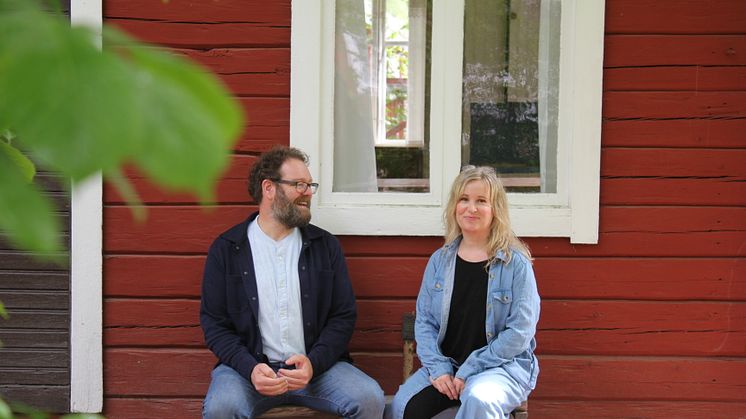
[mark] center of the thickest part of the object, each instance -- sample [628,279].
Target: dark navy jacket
[229,310]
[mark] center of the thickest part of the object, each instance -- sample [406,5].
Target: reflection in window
[380,130]
[510,90]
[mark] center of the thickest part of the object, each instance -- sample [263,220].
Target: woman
[476,311]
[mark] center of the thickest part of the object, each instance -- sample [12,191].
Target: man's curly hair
[268,167]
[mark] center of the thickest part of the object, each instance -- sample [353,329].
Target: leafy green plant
[77,109]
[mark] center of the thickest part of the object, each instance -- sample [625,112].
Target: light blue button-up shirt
[278,287]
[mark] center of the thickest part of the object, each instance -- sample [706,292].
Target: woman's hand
[459,384]
[445,384]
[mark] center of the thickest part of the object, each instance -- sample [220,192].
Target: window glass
[380,96]
[511,90]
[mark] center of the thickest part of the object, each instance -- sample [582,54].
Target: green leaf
[5,412]
[71,105]
[3,312]
[26,216]
[26,166]
[191,122]
[80,110]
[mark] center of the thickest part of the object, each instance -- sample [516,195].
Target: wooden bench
[407,334]
[408,352]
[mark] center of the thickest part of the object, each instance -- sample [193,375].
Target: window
[391,97]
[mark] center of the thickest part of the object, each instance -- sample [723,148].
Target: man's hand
[445,385]
[266,382]
[299,377]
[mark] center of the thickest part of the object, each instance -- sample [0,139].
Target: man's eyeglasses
[300,186]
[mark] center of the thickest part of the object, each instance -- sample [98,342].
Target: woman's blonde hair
[501,235]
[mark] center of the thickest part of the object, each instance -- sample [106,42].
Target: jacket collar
[453,247]
[237,233]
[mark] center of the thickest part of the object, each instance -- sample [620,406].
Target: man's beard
[288,213]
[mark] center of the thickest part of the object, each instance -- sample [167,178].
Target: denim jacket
[512,315]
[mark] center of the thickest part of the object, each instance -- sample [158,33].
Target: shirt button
[437,285]
[253,298]
[238,248]
[302,268]
[305,295]
[308,324]
[245,273]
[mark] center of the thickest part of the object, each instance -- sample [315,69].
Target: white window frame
[571,212]
[86,266]
[415,78]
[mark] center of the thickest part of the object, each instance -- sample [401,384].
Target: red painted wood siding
[651,322]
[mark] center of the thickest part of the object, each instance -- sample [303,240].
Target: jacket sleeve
[427,326]
[337,327]
[219,330]
[520,325]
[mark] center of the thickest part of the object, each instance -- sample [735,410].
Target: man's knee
[369,399]
[227,404]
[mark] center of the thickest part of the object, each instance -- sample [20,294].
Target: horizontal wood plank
[258,139]
[126,408]
[150,407]
[673,191]
[567,327]
[672,279]
[266,112]
[37,339]
[34,358]
[164,232]
[722,279]
[677,50]
[674,162]
[37,319]
[721,169]
[689,78]
[640,379]
[59,300]
[181,276]
[642,328]
[163,372]
[626,409]
[667,105]
[682,133]
[34,280]
[45,398]
[14,260]
[683,16]
[34,376]
[274,12]
[203,36]
[673,219]
[240,60]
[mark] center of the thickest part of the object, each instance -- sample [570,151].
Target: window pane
[380,96]
[510,90]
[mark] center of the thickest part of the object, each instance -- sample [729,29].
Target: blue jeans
[490,394]
[342,390]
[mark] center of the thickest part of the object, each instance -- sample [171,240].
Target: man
[277,306]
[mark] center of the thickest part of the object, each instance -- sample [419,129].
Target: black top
[468,312]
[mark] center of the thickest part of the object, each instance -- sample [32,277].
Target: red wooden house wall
[651,322]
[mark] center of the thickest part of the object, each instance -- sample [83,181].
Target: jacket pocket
[501,302]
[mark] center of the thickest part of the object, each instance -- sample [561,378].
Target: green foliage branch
[78,109]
